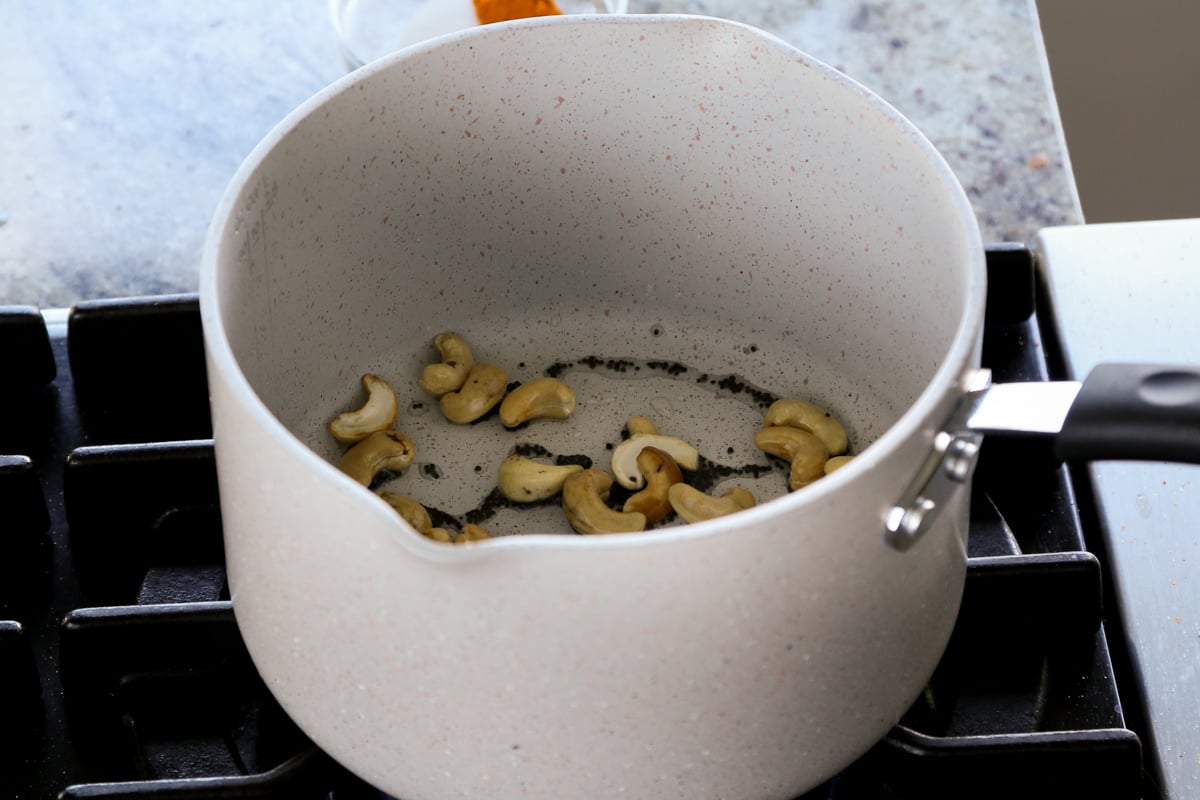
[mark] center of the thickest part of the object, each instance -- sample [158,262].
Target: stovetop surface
[122,673]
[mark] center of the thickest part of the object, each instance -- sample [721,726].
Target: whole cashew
[471,533]
[451,373]
[377,414]
[382,450]
[812,418]
[524,480]
[804,450]
[693,505]
[485,385]
[639,424]
[624,457]
[409,509]
[541,398]
[661,473]
[837,462]
[583,497]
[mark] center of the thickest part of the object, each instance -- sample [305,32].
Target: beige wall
[1127,76]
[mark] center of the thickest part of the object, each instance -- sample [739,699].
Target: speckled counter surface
[121,128]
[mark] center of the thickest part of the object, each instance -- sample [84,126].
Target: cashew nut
[471,533]
[451,373]
[661,473]
[484,387]
[837,462]
[814,419]
[693,505]
[409,509]
[524,480]
[541,398]
[639,424]
[437,534]
[382,450]
[624,457]
[377,414]
[805,450]
[583,497]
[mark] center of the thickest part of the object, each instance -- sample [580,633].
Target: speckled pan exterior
[642,189]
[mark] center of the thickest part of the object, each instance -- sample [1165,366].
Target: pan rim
[918,420]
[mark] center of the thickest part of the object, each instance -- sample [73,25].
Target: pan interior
[683,219]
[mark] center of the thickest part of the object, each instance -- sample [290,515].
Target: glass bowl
[368,29]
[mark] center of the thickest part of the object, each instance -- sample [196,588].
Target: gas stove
[123,674]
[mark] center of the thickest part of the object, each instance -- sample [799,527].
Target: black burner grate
[122,674]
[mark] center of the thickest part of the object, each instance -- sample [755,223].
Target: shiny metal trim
[947,468]
[1036,407]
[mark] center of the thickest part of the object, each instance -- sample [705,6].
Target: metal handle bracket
[947,468]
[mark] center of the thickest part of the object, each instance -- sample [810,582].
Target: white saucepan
[680,216]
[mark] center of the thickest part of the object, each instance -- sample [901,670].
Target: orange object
[501,10]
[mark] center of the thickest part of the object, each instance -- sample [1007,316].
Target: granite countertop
[121,128]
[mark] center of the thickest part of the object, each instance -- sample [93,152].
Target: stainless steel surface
[1130,292]
[946,471]
[1035,407]
[947,467]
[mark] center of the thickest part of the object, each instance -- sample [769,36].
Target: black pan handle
[1133,412]
[1139,412]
